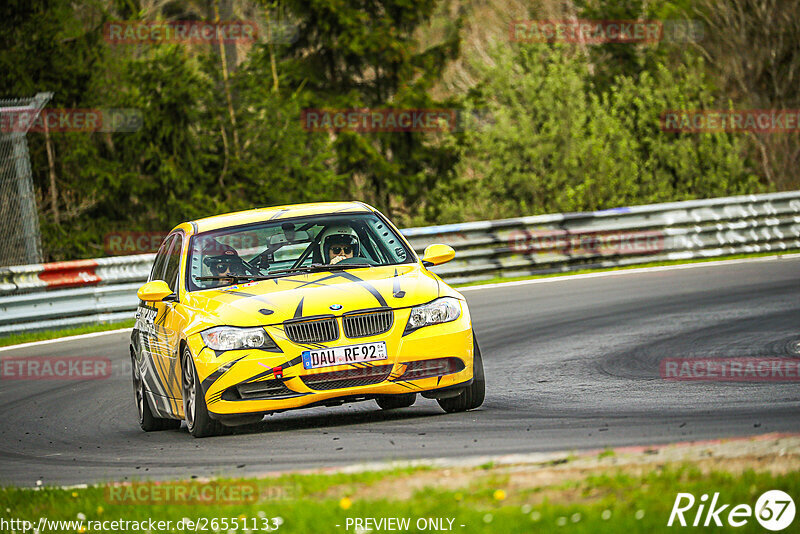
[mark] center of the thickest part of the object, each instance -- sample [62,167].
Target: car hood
[307,294]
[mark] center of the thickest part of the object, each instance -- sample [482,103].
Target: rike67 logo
[774,510]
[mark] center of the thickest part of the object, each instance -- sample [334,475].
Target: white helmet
[338,235]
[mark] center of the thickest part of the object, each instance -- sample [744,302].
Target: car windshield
[271,249]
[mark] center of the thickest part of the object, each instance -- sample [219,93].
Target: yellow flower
[74,493]
[345,503]
[100,510]
[499,495]
[459,496]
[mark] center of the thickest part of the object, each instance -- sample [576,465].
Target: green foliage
[557,146]
[364,54]
[177,166]
[281,163]
[563,128]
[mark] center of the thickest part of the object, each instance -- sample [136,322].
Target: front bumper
[244,382]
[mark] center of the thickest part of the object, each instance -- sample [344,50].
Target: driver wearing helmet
[339,243]
[223,260]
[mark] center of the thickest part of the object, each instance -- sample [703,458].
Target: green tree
[365,54]
[555,146]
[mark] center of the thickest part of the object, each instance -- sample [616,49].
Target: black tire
[198,421]
[147,420]
[472,396]
[392,402]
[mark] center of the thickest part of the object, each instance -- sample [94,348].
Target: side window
[173,264]
[161,257]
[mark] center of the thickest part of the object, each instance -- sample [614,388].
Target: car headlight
[232,338]
[439,311]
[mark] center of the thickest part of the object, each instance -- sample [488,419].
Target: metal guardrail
[104,289]
[44,276]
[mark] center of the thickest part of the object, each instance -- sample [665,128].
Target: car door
[167,321]
[150,344]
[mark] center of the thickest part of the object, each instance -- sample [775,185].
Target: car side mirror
[437,254]
[156,291]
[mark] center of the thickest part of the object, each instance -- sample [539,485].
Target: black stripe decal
[221,370]
[256,378]
[396,291]
[276,350]
[369,287]
[303,282]
[317,282]
[293,362]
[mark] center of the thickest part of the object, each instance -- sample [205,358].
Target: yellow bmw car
[273,309]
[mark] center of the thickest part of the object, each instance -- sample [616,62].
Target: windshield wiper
[315,267]
[234,277]
[341,266]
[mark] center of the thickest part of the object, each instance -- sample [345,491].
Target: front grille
[312,331]
[257,390]
[348,378]
[428,368]
[370,323]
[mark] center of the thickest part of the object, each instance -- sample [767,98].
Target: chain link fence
[20,239]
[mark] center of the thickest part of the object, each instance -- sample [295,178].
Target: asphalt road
[570,364]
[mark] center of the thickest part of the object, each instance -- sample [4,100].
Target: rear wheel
[147,420]
[198,421]
[472,396]
[392,402]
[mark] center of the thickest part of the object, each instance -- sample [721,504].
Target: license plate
[365,352]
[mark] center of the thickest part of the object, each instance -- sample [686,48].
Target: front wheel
[472,396]
[147,420]
[198,421]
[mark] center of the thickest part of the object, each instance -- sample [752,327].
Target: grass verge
[586,494]
[16,339]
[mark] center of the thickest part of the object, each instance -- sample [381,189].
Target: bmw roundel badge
[335,307]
